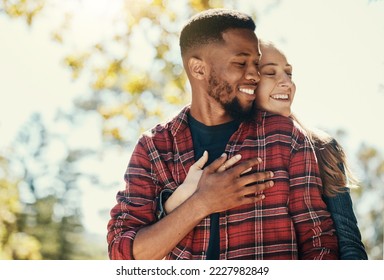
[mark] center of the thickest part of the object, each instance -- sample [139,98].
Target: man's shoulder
[278,122]
[168,128]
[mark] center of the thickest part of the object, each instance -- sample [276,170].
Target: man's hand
[222,187]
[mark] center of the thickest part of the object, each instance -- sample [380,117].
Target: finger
[256,188]
[252,199]
[229,163]
[201,161]
[249,169]
[215,165]
[255,178]
[245,166]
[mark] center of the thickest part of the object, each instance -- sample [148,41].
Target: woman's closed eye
[268,73]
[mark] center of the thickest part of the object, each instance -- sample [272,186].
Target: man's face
[220,89]
[234,72]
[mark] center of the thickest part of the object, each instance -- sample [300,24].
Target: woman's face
[276,90]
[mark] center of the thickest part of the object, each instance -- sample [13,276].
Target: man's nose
[253,74]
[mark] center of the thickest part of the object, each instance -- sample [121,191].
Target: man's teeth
[280,96]
[247,91]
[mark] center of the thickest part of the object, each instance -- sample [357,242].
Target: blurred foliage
[41,215]
[370,199]
[26,9]
[14,243]
[136,80]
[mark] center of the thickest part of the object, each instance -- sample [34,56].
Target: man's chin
[245,117]
[238,113]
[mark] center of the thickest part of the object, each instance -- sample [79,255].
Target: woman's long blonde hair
[335,173]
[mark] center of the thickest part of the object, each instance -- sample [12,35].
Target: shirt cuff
[163,196]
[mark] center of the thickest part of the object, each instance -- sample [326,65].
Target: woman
[275,94]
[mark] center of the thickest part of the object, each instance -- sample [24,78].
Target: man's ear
[197,68]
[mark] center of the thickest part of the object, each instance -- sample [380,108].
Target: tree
[369,199]
[22,8]
[49,206]
[14,243]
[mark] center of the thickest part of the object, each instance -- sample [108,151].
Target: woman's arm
[188,187]
[349,237]
[336,175]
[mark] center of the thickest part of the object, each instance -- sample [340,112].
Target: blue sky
[335,46]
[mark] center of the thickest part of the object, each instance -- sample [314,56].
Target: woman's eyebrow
[268,64]
[274,64]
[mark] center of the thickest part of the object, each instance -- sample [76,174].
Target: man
[234,214]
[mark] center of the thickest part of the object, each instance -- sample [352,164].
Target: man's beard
[220,90]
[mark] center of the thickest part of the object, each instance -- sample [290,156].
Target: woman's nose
[285,81]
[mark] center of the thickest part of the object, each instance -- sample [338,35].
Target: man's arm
[134,233]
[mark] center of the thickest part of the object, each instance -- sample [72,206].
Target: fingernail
[238,156]
[271,183]
[223,155]
[271,174]
[259,160]
[262,196]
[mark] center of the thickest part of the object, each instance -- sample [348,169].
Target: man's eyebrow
[245,54]
[242,54]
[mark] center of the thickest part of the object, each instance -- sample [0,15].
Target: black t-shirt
[212,139]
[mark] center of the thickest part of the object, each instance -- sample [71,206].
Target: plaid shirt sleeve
[135,206]
[314,227]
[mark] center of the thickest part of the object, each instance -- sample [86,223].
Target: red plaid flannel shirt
[290,223]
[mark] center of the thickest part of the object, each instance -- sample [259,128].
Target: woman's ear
[196,68]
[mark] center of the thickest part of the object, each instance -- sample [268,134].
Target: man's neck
[209,114]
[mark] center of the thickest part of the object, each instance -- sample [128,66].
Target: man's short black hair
[207,27]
